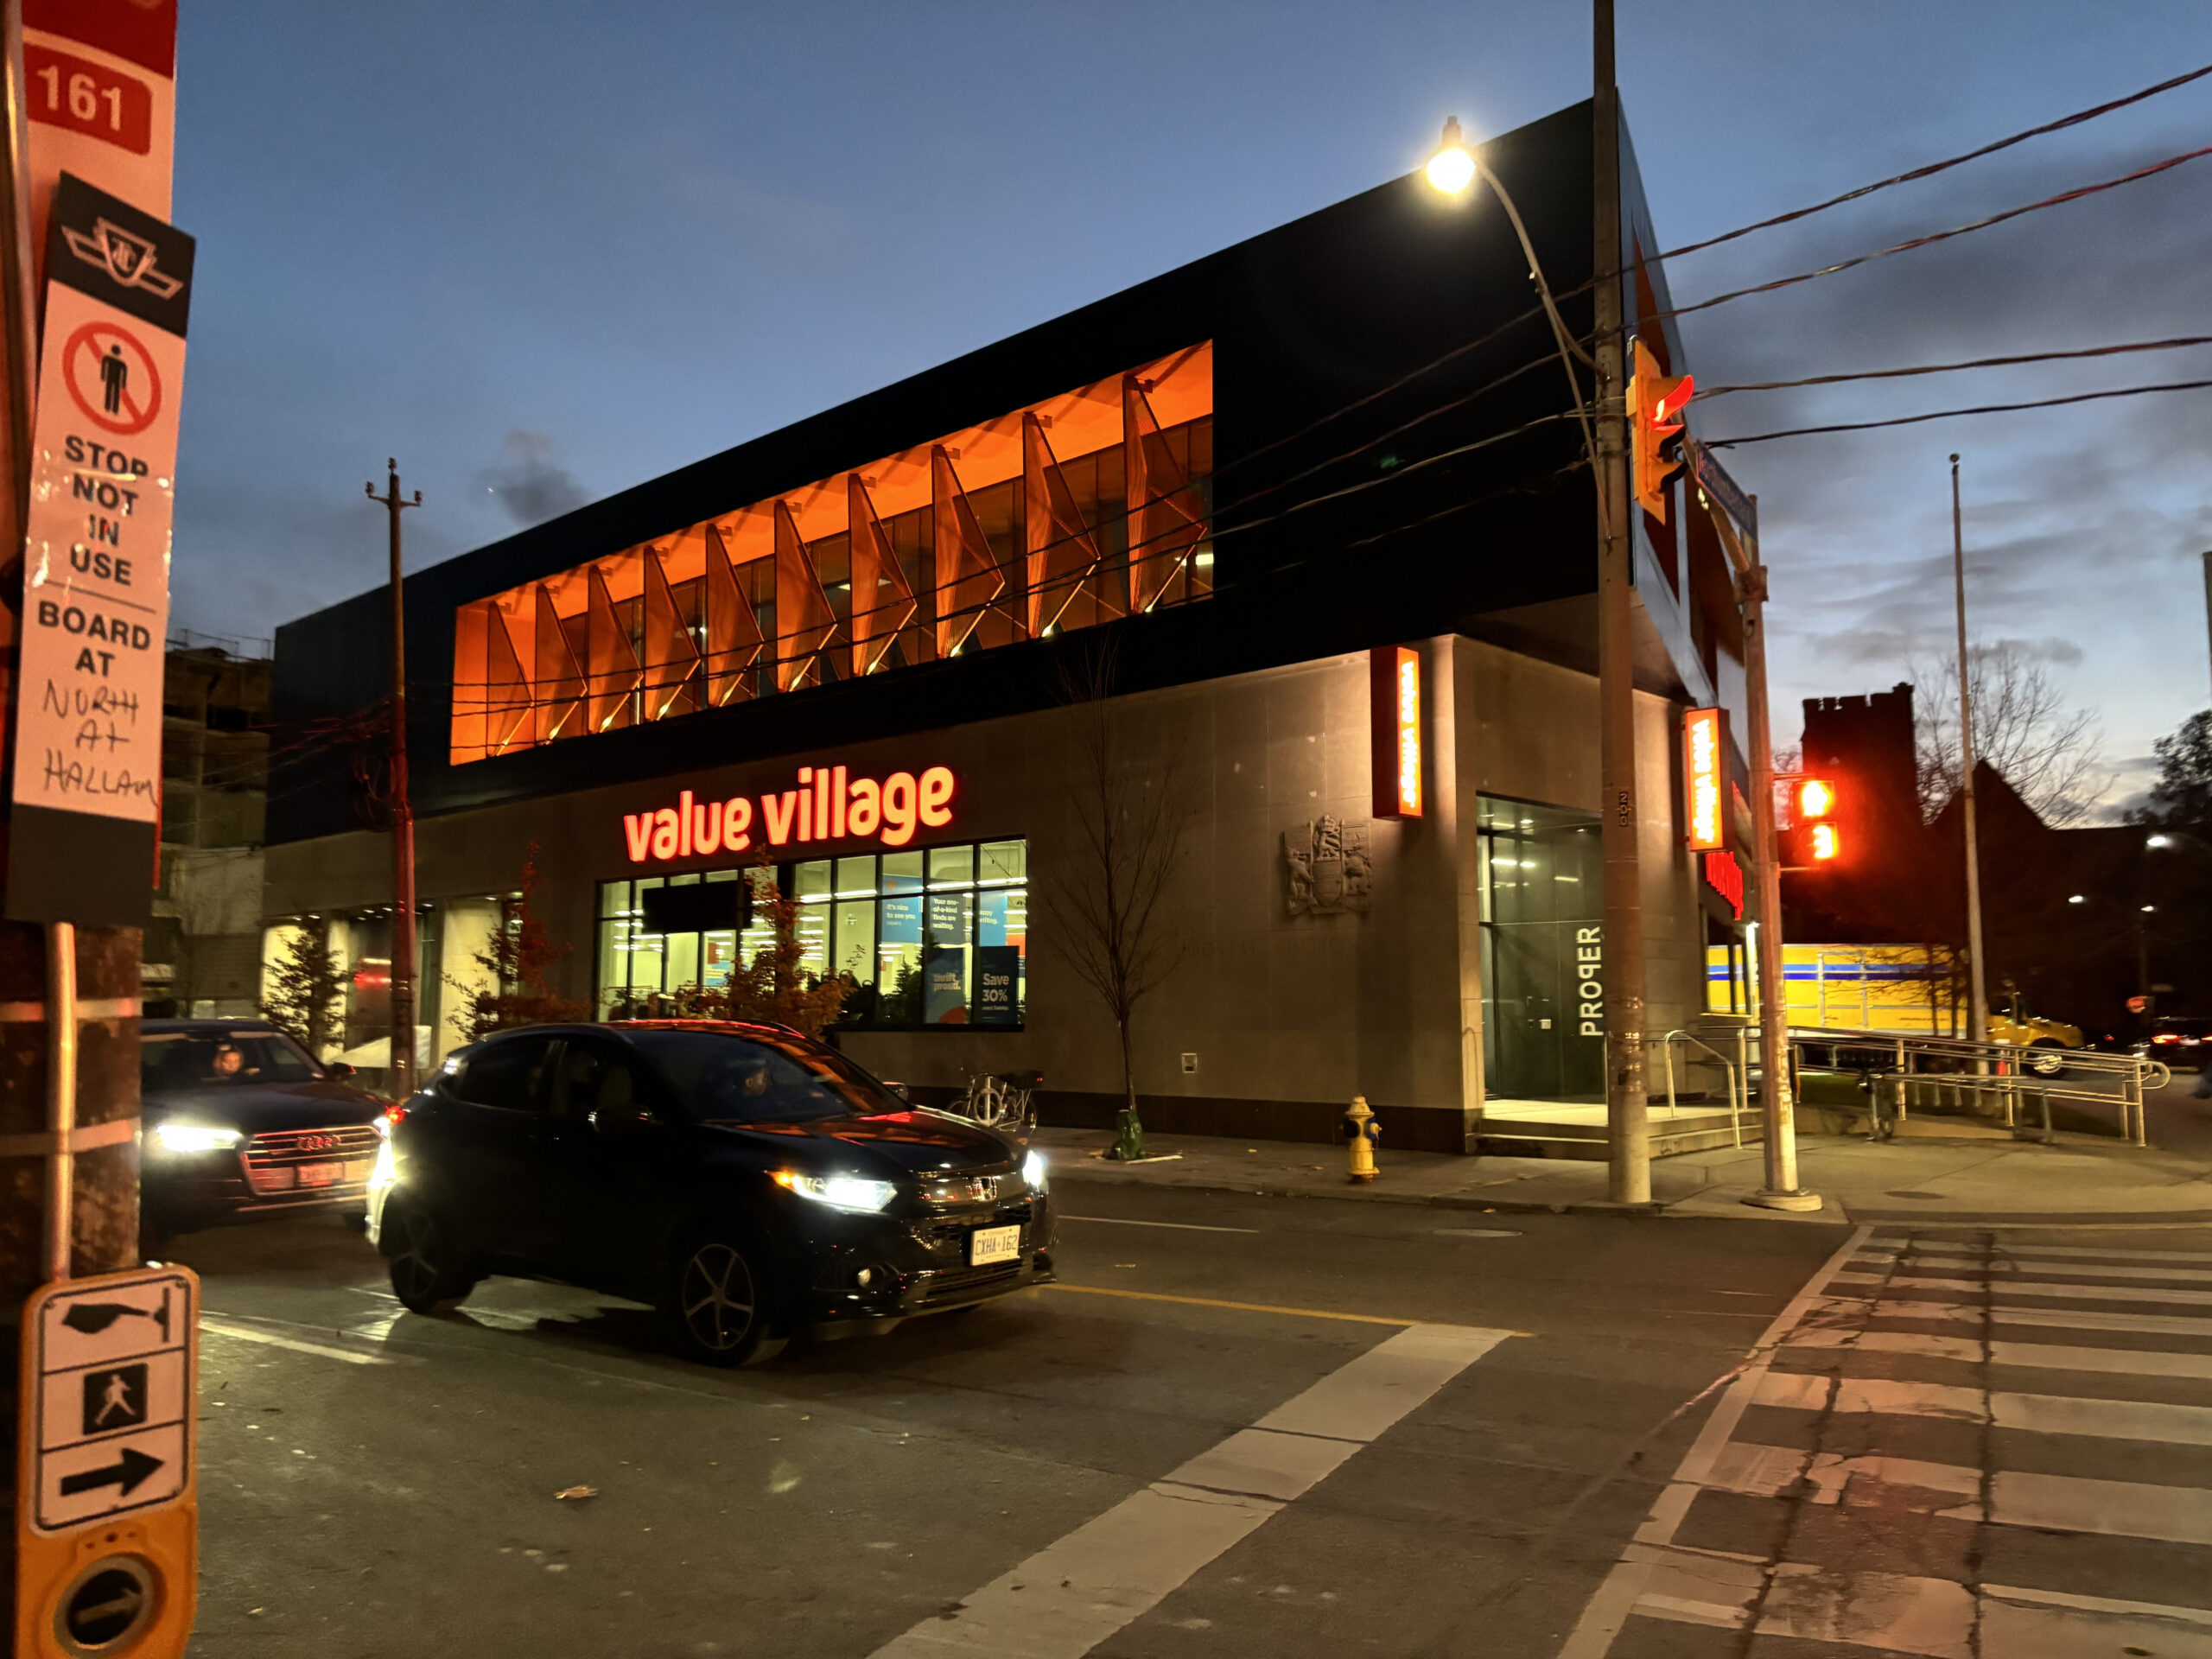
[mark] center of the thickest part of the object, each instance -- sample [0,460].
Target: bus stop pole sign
[87,809]
[107,1510]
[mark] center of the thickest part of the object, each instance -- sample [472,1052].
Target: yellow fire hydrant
[1362,1131]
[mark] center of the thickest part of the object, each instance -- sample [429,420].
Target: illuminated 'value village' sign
[827,803]
[1704,745]
[1394,695]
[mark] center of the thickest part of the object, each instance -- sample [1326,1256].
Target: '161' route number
[86,96]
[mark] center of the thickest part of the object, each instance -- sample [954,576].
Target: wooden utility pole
[69,998]
[1978,979]
[1629,1139]
[403,810]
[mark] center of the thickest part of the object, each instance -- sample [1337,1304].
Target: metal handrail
[1994,1070]
[1737,1104]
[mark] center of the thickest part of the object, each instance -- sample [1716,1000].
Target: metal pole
[61,1095]
[1780,1108]
[1978,987]
[2207,595]
[402,812]
[1629,1174]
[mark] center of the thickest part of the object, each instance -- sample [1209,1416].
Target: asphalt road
[1075,1468]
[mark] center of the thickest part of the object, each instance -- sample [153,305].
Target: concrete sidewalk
[2083,1180]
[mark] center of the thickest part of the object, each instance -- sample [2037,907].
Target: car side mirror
[900,1089]
[337,1069]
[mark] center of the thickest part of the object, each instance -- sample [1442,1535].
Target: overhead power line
[1932,167]
[1710,392]
[1934,236]
[1954,413]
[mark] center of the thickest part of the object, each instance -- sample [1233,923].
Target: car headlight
[1033,1172]
[838,1192]
[195,1137]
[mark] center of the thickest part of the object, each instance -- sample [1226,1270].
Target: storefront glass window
[922,938]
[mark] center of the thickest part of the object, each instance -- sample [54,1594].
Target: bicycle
[1002,1100]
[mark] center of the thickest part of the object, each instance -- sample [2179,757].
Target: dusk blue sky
[543,251]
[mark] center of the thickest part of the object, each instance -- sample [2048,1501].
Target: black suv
[238,1117]
[746,1180]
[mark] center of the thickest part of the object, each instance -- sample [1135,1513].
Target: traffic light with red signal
[1815,836]
[1655,401]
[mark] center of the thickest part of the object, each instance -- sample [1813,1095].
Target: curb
[1838,1215]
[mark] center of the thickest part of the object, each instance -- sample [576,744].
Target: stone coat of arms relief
[1330,866]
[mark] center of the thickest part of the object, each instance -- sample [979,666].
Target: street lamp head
[2148,909]
[1452,169]
[2159,840]
[2075,898]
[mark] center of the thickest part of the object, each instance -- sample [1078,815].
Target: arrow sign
[127,1471]
[92,1317]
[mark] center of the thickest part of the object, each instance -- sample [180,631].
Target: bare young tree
[2046,749]
[1105,907]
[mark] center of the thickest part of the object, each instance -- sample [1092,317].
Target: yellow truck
[1907,989]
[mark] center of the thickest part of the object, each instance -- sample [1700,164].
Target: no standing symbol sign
[112,378]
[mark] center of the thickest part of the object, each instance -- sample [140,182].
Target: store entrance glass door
[1542,903]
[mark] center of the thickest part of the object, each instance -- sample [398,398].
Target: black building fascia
[1395,457]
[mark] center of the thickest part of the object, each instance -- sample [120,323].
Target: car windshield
[721,1077]
[169,1060]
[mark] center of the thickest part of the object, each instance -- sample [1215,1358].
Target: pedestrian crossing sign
[107,1517]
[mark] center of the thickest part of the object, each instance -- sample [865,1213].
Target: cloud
[529,483]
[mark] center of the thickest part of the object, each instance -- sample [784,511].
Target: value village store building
[867,658]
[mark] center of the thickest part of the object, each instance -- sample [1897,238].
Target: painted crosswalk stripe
[2123,1255]
[2064,1270]
[2128,1361]
[2042,1414]
[2003,1288]
[2112,1509]
[1074,1593]
[2058,1318]
[1899,1614]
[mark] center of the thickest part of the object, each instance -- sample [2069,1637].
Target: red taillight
[390,1120]
[2166,1037]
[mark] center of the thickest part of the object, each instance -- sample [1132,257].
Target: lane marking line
[1612,1602]
[1241,1307]
[1178,1226]
[1077,1592]
[225,1327]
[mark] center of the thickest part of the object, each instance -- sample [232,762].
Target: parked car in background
[746,1180]
[236,1118]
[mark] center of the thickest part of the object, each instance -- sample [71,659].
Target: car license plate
[321,1174]
[994,1244]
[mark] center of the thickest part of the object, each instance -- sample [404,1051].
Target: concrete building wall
[1287,1016]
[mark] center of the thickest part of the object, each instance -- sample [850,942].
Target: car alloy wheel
[422,1277]
[717,1303]
[2046,1060]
